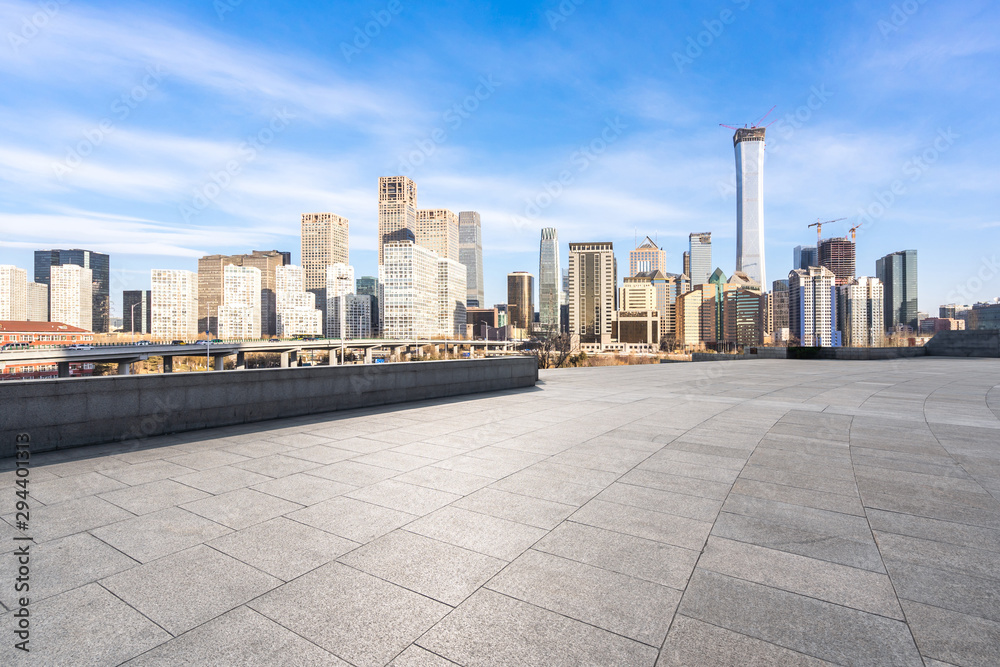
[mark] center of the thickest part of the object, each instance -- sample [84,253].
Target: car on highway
[143,342]
[202,342]
[274,340]
[79,347]
[14,346]
[177,342]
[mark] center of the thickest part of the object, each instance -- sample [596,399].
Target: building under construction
[837,254]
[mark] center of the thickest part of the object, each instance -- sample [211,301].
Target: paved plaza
[736,513]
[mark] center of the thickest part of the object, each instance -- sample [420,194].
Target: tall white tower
[749,146]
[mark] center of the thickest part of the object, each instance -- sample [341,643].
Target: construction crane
[755,124]
[819,228]
[853,231]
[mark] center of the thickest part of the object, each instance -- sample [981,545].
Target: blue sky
[164,131]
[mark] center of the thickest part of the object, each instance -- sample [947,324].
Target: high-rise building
[175,304]
[837,254]
[368,286]
[408,279]
[339,284]
[675,285]
[700,258]
[748,143]
[638,319]
[593,291]
[137,303]
[13,293]
[647,257]
[520,300]
[779,306]
[72,298]
[100,267]
[452,293]
[324,243]
[804,256]
[549,277]
[898,273]
[860,312]
[470,253]
[437,230]
[211,280]
[295,308]
[38,302]
[812,307]
[687,263]
[697,316]
[397,211]
[239,314]
[356,316]
[743,316]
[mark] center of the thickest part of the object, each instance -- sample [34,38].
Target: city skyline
[655,162]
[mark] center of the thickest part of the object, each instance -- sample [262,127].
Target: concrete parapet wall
[65,413]
[965,344]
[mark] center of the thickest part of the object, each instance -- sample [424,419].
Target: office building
[748,144]
[211,279]
[397,212]
[812,307]
[470,254]
[137,311]
[339,284]
[100,267]
[952,310]
[740,280]
[38,302]
[686,270]
[72,298]
[593,291]
[295,308]
[437,230]
[860,312]
[983,316]
[700,258]
[696,316]
[13,293]
[408,278]
[898,273]
[837,254]
[743,316]
[240,312]
[804,256]
[452,293]
[646,257]
[779,308]
[324,243]
[521,301]
[357,316]
[174,304]
[368,286]
[549,279]
[638,318]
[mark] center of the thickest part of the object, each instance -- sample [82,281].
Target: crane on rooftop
[853,231]
[755,124]
[819,229]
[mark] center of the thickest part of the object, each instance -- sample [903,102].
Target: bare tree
[551,348]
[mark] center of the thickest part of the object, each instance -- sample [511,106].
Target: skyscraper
[211,279]
[175,304]
[139,303]
[779,308]
[397,211]
[521,300]
[408,279]
[239,314]
[647,257]
[837,254]
[549,277]
[339,284]
[804,256]
[368,286]
[700,258]
[470,253]
[13,293]
[38,302]
[749,147]
[100,266]
[452,293]
[437,230]
[686,270]
[860,311]
[324,243]
[593,291]
[295,308]
[72,297]
[812,307]
[898,273]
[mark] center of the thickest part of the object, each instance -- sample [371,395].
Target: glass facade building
[549,276]
[748,144]
[470,253]
[898,273]
[700,259]
[100,267]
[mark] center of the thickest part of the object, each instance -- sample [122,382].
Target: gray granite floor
[750,513]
